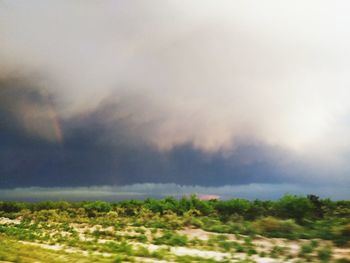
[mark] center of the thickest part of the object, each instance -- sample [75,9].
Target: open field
[292,229]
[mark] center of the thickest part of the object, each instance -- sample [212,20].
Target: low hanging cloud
[142,191]
[128,77]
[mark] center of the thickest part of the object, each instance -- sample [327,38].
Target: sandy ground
[267,243]
[264,244]
[6,221]
[179,251]
[85,253]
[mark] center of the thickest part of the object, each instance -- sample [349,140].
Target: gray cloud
[210,75]
[141,191]
[124,77]
[26,106]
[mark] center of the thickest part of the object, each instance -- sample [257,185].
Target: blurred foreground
[292,229]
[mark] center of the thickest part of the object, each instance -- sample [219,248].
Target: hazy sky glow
[186,92]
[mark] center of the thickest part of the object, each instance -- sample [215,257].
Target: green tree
[296,207]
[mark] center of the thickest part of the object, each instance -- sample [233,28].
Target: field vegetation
[291,229]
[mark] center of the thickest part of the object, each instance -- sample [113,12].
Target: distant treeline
[299,208]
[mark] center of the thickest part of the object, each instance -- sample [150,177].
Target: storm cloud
[185,92]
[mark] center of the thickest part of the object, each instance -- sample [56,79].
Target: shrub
[122,247]
[306,249]
[142,238]
[345,232]
[232,207]
[196,222]
[325,254]
[159,253]
[277,251]
[341,235]
[238,247]
[262,254]
[97,206]
[218,228]
[171,239]
[274,227]
[296,207]
[142,252]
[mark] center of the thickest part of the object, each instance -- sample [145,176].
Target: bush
[277,251]
[325,254]
[142,252]
[232,207]
[274,227]
[171,239]
[296,207]
[97,206]
[193,221]
[346,231]
[220,228]
[306,249]
[142,238]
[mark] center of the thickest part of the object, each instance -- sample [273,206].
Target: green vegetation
[129,231]
[171,239]
[325,254]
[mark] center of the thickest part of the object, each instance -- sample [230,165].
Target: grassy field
[292,229]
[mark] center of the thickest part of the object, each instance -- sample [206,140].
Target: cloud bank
[189,92]
[142,191]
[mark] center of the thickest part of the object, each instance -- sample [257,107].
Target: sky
[127,98]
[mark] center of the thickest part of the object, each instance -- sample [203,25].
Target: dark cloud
[142,191]
[89,156]
[121,93]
